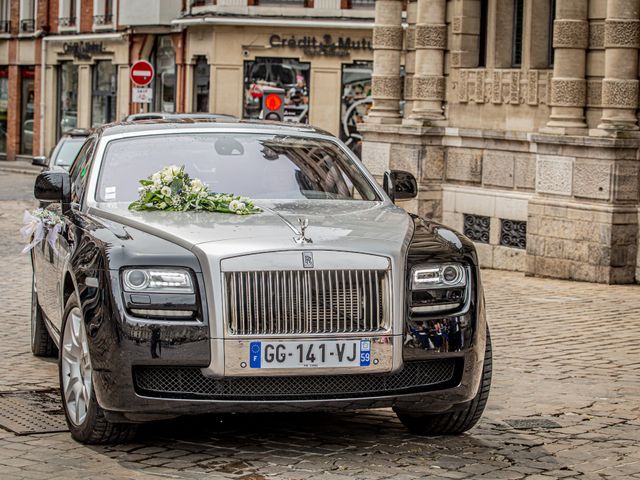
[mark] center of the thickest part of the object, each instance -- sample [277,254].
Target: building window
[356,101]
[27,16]
[201,76]
[513,234]
[67,18]
[27,106]
[5,16]
[164,60]
[104,88]
[518,28]
[4,107]
[483,37]
[202,3]
[67,97]
[283,3]
[552,18]
[362,3]
[289,74]
[102,13]
[477,227]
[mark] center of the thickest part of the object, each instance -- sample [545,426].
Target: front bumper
[145,375]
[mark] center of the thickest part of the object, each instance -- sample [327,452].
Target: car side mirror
[53,187]
[41,161]
[400,185]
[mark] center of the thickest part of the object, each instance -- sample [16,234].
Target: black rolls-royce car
[327,297]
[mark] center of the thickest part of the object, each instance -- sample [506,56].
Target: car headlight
[157,280]
[445,275]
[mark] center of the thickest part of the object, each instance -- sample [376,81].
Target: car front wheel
[457,422]
[85,418]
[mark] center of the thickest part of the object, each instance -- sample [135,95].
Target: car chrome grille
[189,382]
[306,302]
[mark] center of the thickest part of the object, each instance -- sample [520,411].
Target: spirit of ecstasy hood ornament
[301,233]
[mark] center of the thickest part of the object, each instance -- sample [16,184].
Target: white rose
[197,185]
[166,191]
[175,170]
[156,178]
[235,205]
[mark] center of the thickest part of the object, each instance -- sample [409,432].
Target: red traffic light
[273,102]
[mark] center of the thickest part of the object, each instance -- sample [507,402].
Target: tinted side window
[80,169]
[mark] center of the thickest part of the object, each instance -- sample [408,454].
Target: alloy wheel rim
[76,368]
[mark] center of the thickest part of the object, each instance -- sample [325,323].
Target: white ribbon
[36,230]
[33,229]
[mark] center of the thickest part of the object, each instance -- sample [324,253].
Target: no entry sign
[141,73]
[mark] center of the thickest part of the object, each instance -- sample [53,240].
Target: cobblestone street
[566,358]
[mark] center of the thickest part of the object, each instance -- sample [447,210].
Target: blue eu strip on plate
[256,354]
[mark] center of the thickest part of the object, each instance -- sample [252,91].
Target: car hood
[376,227]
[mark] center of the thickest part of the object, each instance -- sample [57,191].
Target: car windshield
[260,166]
[66,152]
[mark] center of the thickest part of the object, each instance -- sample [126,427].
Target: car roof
[176,125]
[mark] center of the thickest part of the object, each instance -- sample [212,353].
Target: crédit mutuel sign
[83,50]
[311,46]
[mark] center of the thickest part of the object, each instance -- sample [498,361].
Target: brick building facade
[519,119]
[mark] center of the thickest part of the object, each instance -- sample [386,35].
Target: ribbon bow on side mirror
[400,185]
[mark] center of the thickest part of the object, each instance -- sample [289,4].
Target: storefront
[86,82]
[326,77]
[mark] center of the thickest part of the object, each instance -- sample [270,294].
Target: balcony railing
[106,19]
[5,26]
[67,22]
[27,25]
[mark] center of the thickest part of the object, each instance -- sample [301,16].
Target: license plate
[310,354]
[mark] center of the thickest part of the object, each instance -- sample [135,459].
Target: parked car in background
[177,116]
[65,151]
[329,298]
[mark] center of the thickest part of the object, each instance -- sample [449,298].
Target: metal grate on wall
[477,227]
[513,233]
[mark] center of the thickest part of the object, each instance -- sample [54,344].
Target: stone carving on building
[387,37]
[592,180]
[569,92]
[622,33]
[596,35]
[431,36]
[554,175]
[594,93]
[620,93]
[570,34]
[502,86]
[428,88]
[386,87]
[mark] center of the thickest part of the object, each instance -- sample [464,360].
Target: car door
[65,241]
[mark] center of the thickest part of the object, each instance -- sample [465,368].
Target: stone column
[569,87]
[620,84]
[386,80]
[430,42]
[410,56]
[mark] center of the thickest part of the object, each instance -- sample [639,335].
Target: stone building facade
[519,118]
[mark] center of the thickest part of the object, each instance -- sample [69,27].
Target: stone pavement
[566,353]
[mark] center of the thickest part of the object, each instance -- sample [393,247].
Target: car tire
[459,421]
[86,419]
[42,344]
